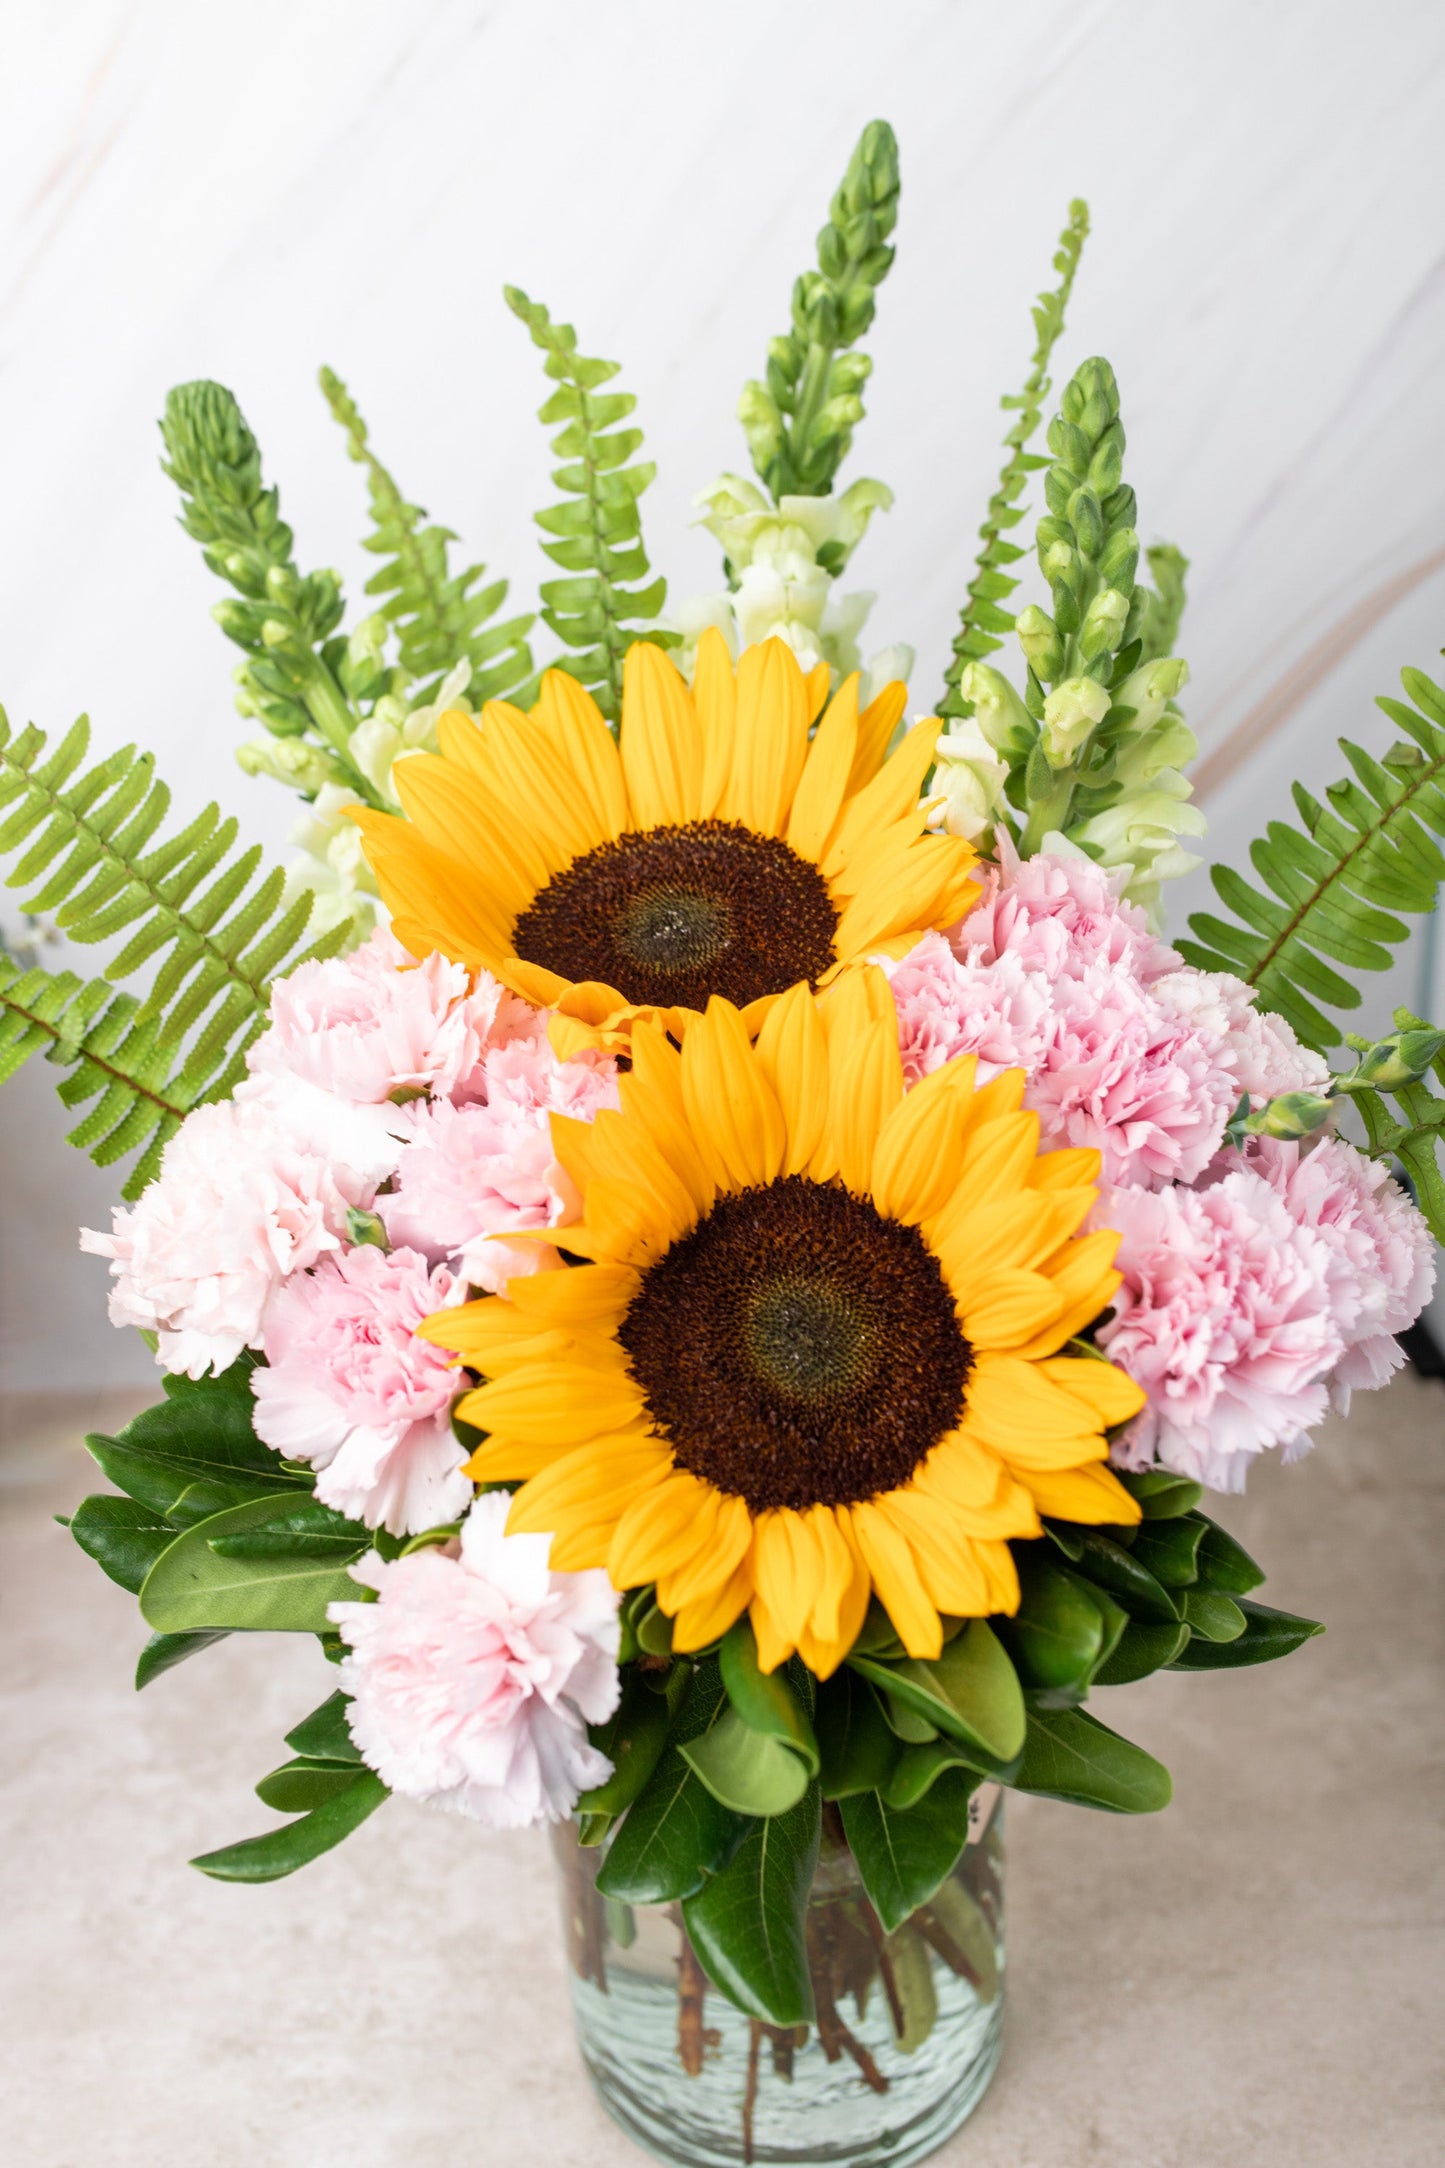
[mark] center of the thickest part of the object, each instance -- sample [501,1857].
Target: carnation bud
[1291,1115]
[366,1228]
[1401,1059]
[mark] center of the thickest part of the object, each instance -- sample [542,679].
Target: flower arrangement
[716,1285]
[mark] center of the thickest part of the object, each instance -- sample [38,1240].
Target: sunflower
[813,1351]
[721,845]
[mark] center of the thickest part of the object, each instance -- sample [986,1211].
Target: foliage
[984,620]
[281,618]
[1339,880]
[1163,610]
[799,423]
[202,919]
[440,617]
[597,608]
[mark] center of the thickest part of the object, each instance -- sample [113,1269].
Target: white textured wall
[192,189]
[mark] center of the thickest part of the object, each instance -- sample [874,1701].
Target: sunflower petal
[699,1624]
[710,1570]
[556,1404]
[770,738]
[918,1158]
[893,793]
[573,720]
[876,726]
[1108,1393]
[1084,1278]
[715,699]
[661,740]
[1011,1308]
[1093,1495]
[889,1558]
[792,1052]
[661,1527]
[731,1106]
[824,782]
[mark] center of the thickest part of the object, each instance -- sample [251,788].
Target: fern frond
[983,620]
[441,617]
[1163,610]
[209,927]
[599,609]
[1338,882]
[1399,1068]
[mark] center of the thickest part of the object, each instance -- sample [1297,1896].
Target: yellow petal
[953,1579]
[787,1575]
[1008,1401]
[866,1087]
[731,1107]
[918,1157]
[1092,1495]
[792,1052]
[817,681]
[889,1559]
[893,792]
[711,1569]
[661,740]
[587,1295]
[573,719]
[556,1404]
[819,797]
[715,700]
[1108,1393]
[1010,1309]
[876,726]
[697,1625]
[1074,1167]
[652,1096]
[1085,1282]
[770,740]
[665,1524]
[589,1484]
[505,1460]
[820,1652]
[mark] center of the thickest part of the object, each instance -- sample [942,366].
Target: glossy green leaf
[299,1785]
[1071,1755]
[1141,1648]
[1225,1564]
[282,1851]
[675,1833]
[918,1769]
[766,1701]
[903,1854]
[1170,1550]
[632,1738]
[748,1922]
[1267,1635]
[307,1530]
[163,1651]
[904,1721]
[190,1588]
[1211,1615]
[124,1537]
[199,1444]
[1057,1634]
[1125,1577]
[325,1735]
[857,1746]
[970,1936]
[1161,1495]
[971,1691]
[745,1769]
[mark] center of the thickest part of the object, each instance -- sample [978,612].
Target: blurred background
[187,191]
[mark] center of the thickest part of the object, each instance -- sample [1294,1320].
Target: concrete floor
[1251,1980]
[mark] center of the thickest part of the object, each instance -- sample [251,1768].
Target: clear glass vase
[905,2040]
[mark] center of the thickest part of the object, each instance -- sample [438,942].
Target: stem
[750,2097]
[1048,814]
[334,719]
[810,399]
[691,1988]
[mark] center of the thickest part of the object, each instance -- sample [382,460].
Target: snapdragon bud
[1038,636]
[288,760]
[1004,720]
[1103,623]
[970,772]
[762,423]
[1072,713]
[1149,690]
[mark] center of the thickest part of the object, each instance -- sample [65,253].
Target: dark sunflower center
[798,1349]
[674,915]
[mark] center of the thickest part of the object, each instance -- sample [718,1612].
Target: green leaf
[190,1588]
[1057,1635]
[1213,1617]
[325,1735]
[1071,1755]
[1170,1550]
[163,1651]
[311,1531]
[1140,1650]
[675,1833]
[300,1785]
[1125,1577]
[904,1854]
[748,1923]
[1161,1496]
[1225,1564]
[1267,1635]
[856,1745]
[765,1700]
[282,1851]
[918,1769]
[632,1738]
[123,1537]
[196,1451]
[746,1769]
[971,1691]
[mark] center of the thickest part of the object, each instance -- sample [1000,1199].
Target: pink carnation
[1259,1048]
[237,1208]
[1382,1257]
[351,1389]
[1057,914]
[473,1676]
[468,1175]
[1108,1065]
[366,1025]
[1226,1318]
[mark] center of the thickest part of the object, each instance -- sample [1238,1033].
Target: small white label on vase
[980,1811]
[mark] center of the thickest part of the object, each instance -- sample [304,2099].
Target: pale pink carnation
[1058,914]
[469,1176]
[998,1012]
[1382,1256]
[1108,1065]
[236,1209]
[376,1022]
[1259,1048]
[472,1677]
[1226,1319]
[350,1388]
